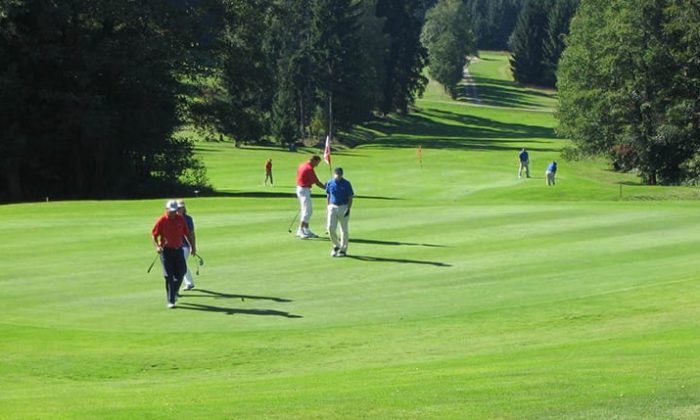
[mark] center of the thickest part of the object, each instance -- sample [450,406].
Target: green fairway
[467,293]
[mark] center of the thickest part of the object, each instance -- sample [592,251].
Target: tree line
[532,30]
[629,86]
[93,92]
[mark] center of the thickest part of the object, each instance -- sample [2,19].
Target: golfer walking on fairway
[306,178]
[339,196]
[168,234]
[182,211]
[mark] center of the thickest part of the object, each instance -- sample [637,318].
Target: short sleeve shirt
[171,230]
[306,177]
[339,191]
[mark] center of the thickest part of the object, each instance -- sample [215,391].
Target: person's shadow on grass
[202,293]
[378,242]
[397,260]
[235,311]
[395,243]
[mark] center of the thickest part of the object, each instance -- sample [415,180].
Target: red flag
[327,151]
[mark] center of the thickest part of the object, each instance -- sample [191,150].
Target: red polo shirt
[268,166]
[170,230]
[306,177]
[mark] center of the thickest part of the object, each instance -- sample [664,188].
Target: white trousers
[189,282]
[550,177]
[337,214]
[304,195]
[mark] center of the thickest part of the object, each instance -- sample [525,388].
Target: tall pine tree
[407,56]
[338,61]
[288,45]
[493,21]
[527,43]
[558,21]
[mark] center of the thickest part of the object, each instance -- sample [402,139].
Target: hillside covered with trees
[94,95]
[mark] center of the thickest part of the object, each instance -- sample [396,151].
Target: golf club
[152,263]
[200,262]
[293,220]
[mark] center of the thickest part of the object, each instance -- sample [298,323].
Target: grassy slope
[471,294]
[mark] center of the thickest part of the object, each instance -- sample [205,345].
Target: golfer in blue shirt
[339,196]
[551,172]
[524,159]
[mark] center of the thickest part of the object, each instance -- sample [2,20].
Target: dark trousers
[174,269]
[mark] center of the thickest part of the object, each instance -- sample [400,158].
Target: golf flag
[327,151]
[420,155]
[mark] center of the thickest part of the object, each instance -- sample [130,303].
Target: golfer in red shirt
[168,234]
[268,172]
[306,178]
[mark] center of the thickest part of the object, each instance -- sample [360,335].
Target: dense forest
[94,93]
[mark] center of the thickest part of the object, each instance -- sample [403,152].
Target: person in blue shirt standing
[182,211]
[339,196]
[524,163]
[551,172]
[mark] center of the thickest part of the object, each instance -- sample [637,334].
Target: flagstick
[330,131]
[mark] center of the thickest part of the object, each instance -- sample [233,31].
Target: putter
[152,263]
[293,220]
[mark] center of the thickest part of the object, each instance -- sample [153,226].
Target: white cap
[171,205]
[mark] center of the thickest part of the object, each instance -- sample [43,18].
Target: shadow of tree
[456,131]
[503,93]
[279,194]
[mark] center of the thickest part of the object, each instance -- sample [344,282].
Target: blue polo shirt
[552,168]
[190,225]
[524,157]
[339,191]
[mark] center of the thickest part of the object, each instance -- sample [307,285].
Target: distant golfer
[339,196]
[268,171]
[551,172]
[524,159]
[167,235]
[306,178]
[182,211]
